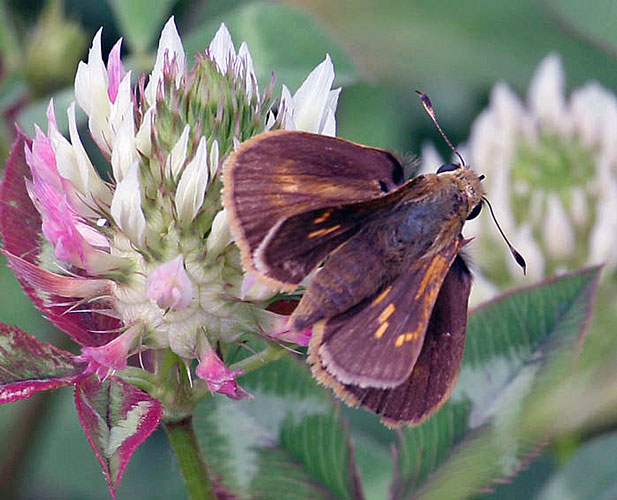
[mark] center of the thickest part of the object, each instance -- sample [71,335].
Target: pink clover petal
[299,338]
[115,71]
[170,286]
[46,281]
[218,377]
[42,160]
[280,329]
[115,353]
[233,391]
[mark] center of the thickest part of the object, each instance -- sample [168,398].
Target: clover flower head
[150,233]
[134,258]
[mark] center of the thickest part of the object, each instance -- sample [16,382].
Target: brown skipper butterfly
[388,305]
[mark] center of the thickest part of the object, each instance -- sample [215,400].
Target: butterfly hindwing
[376,343]
[436,370]
[281,174]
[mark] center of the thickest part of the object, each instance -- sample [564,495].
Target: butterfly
[388,304]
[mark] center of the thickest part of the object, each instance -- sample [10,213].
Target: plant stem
[194,471]
[269,354]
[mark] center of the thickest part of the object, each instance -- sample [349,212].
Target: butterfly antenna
[515,253]
[428,107]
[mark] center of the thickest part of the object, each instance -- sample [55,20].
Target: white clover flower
[154,240]
[312,107]
[551,173]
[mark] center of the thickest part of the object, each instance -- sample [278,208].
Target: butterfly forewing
[376,343]
[297,244]
[281,174]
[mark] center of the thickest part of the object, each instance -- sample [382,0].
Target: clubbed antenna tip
[428,107]
[515,253]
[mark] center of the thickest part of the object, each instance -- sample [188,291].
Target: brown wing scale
[376,343]
[436,370]
[280,174]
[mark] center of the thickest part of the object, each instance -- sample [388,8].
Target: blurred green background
[382,50]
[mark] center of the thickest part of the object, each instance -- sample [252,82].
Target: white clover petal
[587,106]
[557,231]
[244,67]
[220,235]
[510,110]
[311,98]
[120,108]
[593,113]
[124,151]
[603,237]
[73,164]
[170,48]
[126,207]
[286,109]
[93,236]
[328,121]
[91,80]
[497,131]
[214,158]
[328,125]
[192,186]
[177,156]
[255,289]
[143,138]
[222,49]
[579,210]
[546,93]
[91,92]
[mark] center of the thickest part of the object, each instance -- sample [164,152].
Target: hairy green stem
[194,471]
[262,358]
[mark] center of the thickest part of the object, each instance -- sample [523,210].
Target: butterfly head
[469,183]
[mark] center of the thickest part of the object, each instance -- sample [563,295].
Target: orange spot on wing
[435,271]
[413,335]
[381,296]
[381,330]
[323,232]
[400,340]
[322,217]
[386,313]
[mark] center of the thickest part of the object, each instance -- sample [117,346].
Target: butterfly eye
[475,211]
[448,167]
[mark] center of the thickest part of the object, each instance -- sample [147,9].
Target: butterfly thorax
[430,214]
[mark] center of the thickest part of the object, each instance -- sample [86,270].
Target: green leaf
[510,341]
[28,365]
[281,39]
[116,417]
[290,438]
[590,473]
[594,23]
[141,20]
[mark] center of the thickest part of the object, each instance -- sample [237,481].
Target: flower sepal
[217,375]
